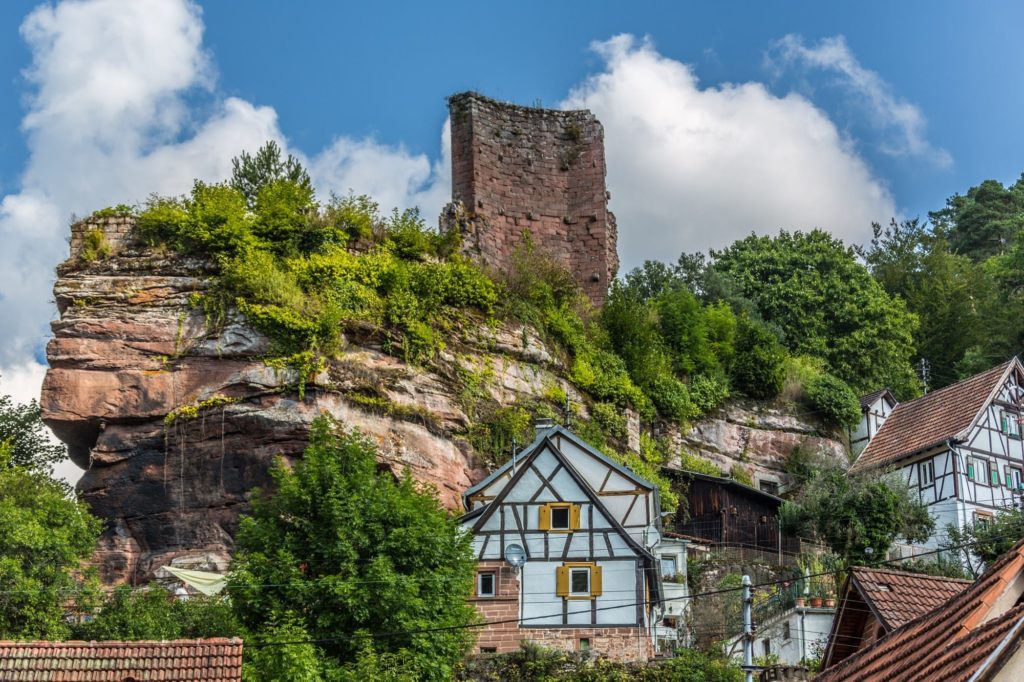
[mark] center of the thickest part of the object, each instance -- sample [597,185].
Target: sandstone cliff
[176,421]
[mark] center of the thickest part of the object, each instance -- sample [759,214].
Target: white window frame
[674,558]
[926,467]
[1016,481]
[572,572]
[480,584]
[1009,424]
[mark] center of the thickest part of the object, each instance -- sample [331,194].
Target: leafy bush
[153,613]
[741,474]
[758,368]
[708,392]
[695,463]
[95,246]
[833,400]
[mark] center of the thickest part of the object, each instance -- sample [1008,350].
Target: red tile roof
[184,660]
[897,597]
[931,419]
[952,642]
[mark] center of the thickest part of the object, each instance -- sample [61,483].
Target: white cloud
[903,122]
[109,121]
[692,168]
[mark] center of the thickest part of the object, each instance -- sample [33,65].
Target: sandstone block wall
[519,169]
[114,230]
[505,636]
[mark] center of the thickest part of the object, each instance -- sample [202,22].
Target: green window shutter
[970,468]
[995,476]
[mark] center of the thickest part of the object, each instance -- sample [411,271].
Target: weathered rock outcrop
[176,421]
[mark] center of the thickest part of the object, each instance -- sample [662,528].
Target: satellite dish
[515,555]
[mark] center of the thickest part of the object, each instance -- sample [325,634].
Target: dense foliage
[537,664]
[859,516]
[153,613]
[25,437]
[979,544]
[45,536]
[343,552]
[825,304]
[962,275]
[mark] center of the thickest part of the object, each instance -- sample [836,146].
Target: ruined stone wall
[519,169]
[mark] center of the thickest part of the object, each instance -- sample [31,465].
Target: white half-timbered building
[581,521]
[875,408]
[959,448]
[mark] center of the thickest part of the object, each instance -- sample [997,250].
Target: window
[786,634]
[584,644]
[1014,478]
[995,475]
[485,584]
[926,473]
[770,487]
[668,566]
[1010,424]
[578,580]
[982,518]
[488,649]
[559,517]
[767,644]
[977,469]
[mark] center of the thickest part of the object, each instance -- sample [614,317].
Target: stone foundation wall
[505,635]
[517,169]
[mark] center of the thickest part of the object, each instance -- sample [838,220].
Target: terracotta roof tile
[867,400]
[192,660]
[898,596]
[929,420]
[950,643]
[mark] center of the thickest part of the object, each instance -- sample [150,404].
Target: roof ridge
[912,574]
[1001,367]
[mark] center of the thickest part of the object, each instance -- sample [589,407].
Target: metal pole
[748,632]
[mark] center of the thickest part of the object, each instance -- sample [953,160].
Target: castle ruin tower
[524,169]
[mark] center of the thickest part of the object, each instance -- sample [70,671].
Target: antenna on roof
[924,370]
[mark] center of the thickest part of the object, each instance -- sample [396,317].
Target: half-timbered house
[581,526]
[959,448]
[875,408]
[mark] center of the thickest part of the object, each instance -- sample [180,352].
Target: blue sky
[721,118]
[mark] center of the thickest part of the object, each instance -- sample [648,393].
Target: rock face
[176,422]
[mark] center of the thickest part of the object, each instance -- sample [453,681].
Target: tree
[979,544]
[853,513]
[947,292]
[985,221]
[346,552]
[758,366]
[153,613]
[250,174]
[827,305]
[45,536]
[26,436]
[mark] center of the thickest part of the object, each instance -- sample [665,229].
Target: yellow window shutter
[544,522]
[562,581]
[595,581]
[574,517]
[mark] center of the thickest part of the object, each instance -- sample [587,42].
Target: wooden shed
[722,510]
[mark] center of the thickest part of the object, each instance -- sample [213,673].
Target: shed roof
[729,482]
[969,635]
[932,419]
[897,597]
[183,660]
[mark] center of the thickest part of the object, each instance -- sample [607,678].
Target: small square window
[560,518]
[584,644]
[982,518]
[485,585]
[579,582]
[770,487]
